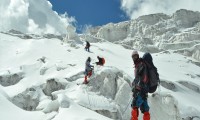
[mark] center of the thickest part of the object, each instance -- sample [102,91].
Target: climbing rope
[88,97]
[127,106]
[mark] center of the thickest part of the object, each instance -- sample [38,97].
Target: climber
[87,47]
[140,89]
[88,70]
[101,61]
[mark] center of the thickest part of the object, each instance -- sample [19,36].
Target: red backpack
[103,61]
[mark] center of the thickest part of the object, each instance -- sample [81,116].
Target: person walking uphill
[140,89]
[87,47]
[88,70]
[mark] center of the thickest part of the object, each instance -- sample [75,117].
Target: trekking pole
[159,88]
[127,106]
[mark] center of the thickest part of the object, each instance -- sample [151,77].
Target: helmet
[135,52]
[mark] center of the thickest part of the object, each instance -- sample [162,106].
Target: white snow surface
[41,80]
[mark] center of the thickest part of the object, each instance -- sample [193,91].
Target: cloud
[136,8]
[32,16]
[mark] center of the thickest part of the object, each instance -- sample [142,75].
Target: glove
[144,96]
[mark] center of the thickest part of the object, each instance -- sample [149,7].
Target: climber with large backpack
[101,61]
[88,70]
[146,81]
[140,88]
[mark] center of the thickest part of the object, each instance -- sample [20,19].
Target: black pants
[87,49]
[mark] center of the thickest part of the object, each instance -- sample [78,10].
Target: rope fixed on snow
[88,96]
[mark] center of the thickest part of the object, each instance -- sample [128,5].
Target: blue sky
[91,12]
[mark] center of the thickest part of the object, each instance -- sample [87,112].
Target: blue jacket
[88,67]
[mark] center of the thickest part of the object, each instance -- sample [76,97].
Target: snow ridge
[156,32]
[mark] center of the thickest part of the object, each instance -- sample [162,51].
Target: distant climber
[87,47]
[101,61]
[88,70]
[140,89]
[42,59]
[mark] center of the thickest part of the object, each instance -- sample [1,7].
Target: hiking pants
[141,103]
[87,74]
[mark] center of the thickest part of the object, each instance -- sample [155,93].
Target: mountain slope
[42,75]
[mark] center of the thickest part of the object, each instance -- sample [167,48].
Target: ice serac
[113,84]
[155,33]
[114,32]
[185,18]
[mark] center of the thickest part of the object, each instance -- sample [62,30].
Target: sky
[37,16]
[91,12]
[136,8]
[31,16]
[101,12]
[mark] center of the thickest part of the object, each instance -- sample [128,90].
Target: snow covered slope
[39,77]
